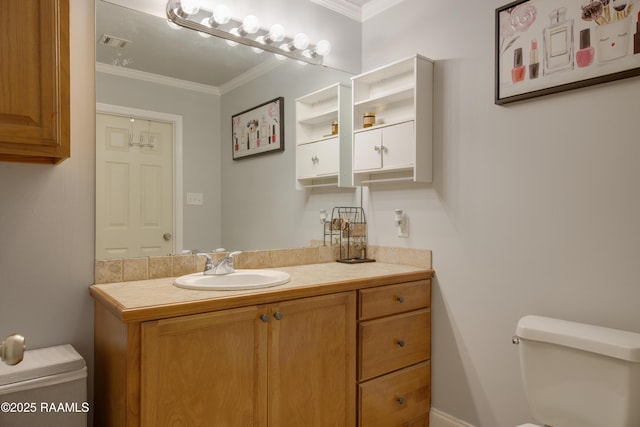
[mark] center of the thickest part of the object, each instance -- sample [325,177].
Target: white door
[134,187]
[367,150]
[398,145]
[318,158]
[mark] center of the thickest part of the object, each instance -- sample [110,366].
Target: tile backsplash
[130,269]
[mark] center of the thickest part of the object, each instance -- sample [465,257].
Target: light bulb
[207,23]
[190,7]
[276,33]
[300,41]
[221,14]
[236,33]
[173,25]
[323,48]
[250,24]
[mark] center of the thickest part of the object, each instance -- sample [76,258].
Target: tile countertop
[158,298]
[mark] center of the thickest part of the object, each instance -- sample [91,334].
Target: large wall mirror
[166,181]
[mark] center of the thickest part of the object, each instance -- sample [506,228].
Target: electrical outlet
[403,229]
[195,199]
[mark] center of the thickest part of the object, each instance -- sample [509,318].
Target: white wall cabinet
[323,158]
[398,147]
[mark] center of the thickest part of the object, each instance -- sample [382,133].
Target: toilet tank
[48,388]
[578,375]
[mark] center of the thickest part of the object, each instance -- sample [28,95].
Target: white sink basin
[239,280]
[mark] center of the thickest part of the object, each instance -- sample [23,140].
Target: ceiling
[142,22]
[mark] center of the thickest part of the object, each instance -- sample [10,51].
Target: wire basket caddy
[348,229]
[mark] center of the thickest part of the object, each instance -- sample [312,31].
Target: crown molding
[376,7]
[370,9]
[247,76]
[343,7]
[155,78]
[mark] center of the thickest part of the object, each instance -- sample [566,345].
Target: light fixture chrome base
[176,15]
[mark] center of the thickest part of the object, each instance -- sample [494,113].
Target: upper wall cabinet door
[34,81]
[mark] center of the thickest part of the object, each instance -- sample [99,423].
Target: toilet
[48,388]
[578,375]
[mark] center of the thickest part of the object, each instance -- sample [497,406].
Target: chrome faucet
[223,266]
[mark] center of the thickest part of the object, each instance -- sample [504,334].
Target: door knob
[166,236]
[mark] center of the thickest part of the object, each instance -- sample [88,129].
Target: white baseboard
[441,419]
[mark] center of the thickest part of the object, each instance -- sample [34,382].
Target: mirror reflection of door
[134,182]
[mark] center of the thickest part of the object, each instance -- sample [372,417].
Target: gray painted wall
[533,209]
[47,217]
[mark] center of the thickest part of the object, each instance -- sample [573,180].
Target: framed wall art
[258,130]
[549,46]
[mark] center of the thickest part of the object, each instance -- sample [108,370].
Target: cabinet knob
[314,159]
[277,315]
[377,148]
[400,400]
[400,299]
[264,318]
[400,343]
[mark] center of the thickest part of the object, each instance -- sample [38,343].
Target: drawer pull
[400,299]
[278,315]
[401,343]
[264,318]
[400,400]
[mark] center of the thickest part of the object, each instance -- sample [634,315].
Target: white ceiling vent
[114,41]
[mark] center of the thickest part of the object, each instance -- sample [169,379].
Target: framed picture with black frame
[549,46]
[258,130]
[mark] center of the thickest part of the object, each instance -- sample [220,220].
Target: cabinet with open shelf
[398,147]
[323,155]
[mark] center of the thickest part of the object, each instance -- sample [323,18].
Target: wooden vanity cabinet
[394,352]
[34,81]
[279,364]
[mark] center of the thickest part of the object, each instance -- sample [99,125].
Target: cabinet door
[205,370]
[366,150]
[34,81]
[318,158]
[312,362]
[398,144]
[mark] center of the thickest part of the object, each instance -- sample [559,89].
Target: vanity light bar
[178,16]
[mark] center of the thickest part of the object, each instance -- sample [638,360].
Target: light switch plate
[195,199]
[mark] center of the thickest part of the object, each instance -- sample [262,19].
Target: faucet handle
[234,253]
[209,264]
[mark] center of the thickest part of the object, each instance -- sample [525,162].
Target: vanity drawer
[391,343]
[401,398]
[394,299]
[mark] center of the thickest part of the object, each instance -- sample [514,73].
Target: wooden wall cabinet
[34,81]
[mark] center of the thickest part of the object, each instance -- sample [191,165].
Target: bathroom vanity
[339,345]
